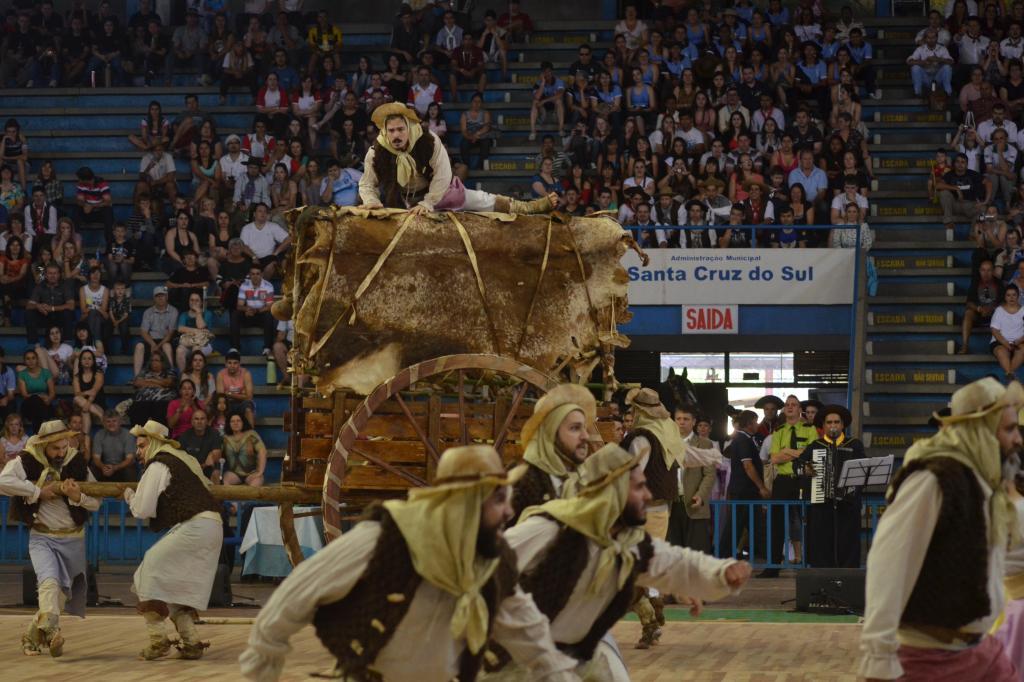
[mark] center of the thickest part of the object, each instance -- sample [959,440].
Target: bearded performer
[581,557]
[935,570]
[557,442]
[413,592]
[42,484]
[408,167]
[176,575]
[655,439]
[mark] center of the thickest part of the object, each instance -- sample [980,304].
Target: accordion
[828,464]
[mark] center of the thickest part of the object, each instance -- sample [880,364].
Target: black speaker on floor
[220,595]
[29,597]
[830,590]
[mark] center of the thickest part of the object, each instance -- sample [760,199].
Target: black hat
[813,403]
[843,413]
[694,202]
[804,45]
[233,354]
[770,400]
[254,161]
[634,191]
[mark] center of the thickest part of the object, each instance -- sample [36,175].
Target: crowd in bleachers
[742,123]
[970,58]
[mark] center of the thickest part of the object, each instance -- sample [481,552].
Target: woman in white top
[844,234]
[1007,333]
[56,357]
[94,303]
[13,438]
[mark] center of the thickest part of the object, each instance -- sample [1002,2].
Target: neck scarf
[542,451]
[592,514]
[440,527]
[837,441]
[406,165]
[973,443]
[667,433]
[170,447]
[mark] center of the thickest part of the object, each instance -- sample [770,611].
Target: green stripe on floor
[673,613]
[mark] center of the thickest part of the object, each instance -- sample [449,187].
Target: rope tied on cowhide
[471,252]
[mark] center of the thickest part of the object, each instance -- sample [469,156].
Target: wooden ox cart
[421,333]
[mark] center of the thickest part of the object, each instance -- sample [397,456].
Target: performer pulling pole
[42,485]
[176,575]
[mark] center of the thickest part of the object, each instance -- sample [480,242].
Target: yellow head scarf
[38,451]
[405,163]
[667,433]
[440,527]
[542,451]
[973,443]
[171,447]
[592,503]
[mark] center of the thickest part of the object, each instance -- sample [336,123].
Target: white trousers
[477,200]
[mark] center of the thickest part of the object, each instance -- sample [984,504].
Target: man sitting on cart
[408,167]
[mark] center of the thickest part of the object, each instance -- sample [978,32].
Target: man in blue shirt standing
[862,54]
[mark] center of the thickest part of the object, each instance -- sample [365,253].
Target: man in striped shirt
[93,202]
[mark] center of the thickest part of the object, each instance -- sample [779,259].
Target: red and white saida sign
[711,319]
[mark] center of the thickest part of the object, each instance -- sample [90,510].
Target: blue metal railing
[757,514]
[113,535]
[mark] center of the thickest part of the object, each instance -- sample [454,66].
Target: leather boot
[159,644]
[645,611]
[659,609]
[31,641]
[542,205]
[189,644]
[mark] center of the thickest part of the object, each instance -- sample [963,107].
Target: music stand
[868,472]
[863,473]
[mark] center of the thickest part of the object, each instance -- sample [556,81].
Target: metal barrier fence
[115,537]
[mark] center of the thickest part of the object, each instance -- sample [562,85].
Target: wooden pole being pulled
[236,493]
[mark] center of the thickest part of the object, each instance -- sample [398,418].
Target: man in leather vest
[935,570]
[655,438]
[833,526]
[582,555]
[42,482]
[408,167]
[557,441]
[414,591]
[176,575]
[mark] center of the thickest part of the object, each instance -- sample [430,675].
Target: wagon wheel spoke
[391,468]
[499,440]
[463,435]
[431,450]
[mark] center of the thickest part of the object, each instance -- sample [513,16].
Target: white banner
[711,319]
[742,277]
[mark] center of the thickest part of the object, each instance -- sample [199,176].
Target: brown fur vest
[552,579]
[21,511]
[535,487]
[385,166]
[184,497]
[952,586]
[663,482]
[357,627]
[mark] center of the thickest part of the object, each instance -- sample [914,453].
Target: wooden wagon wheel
[347,442]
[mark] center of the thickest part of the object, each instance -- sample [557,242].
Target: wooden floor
[104,647]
